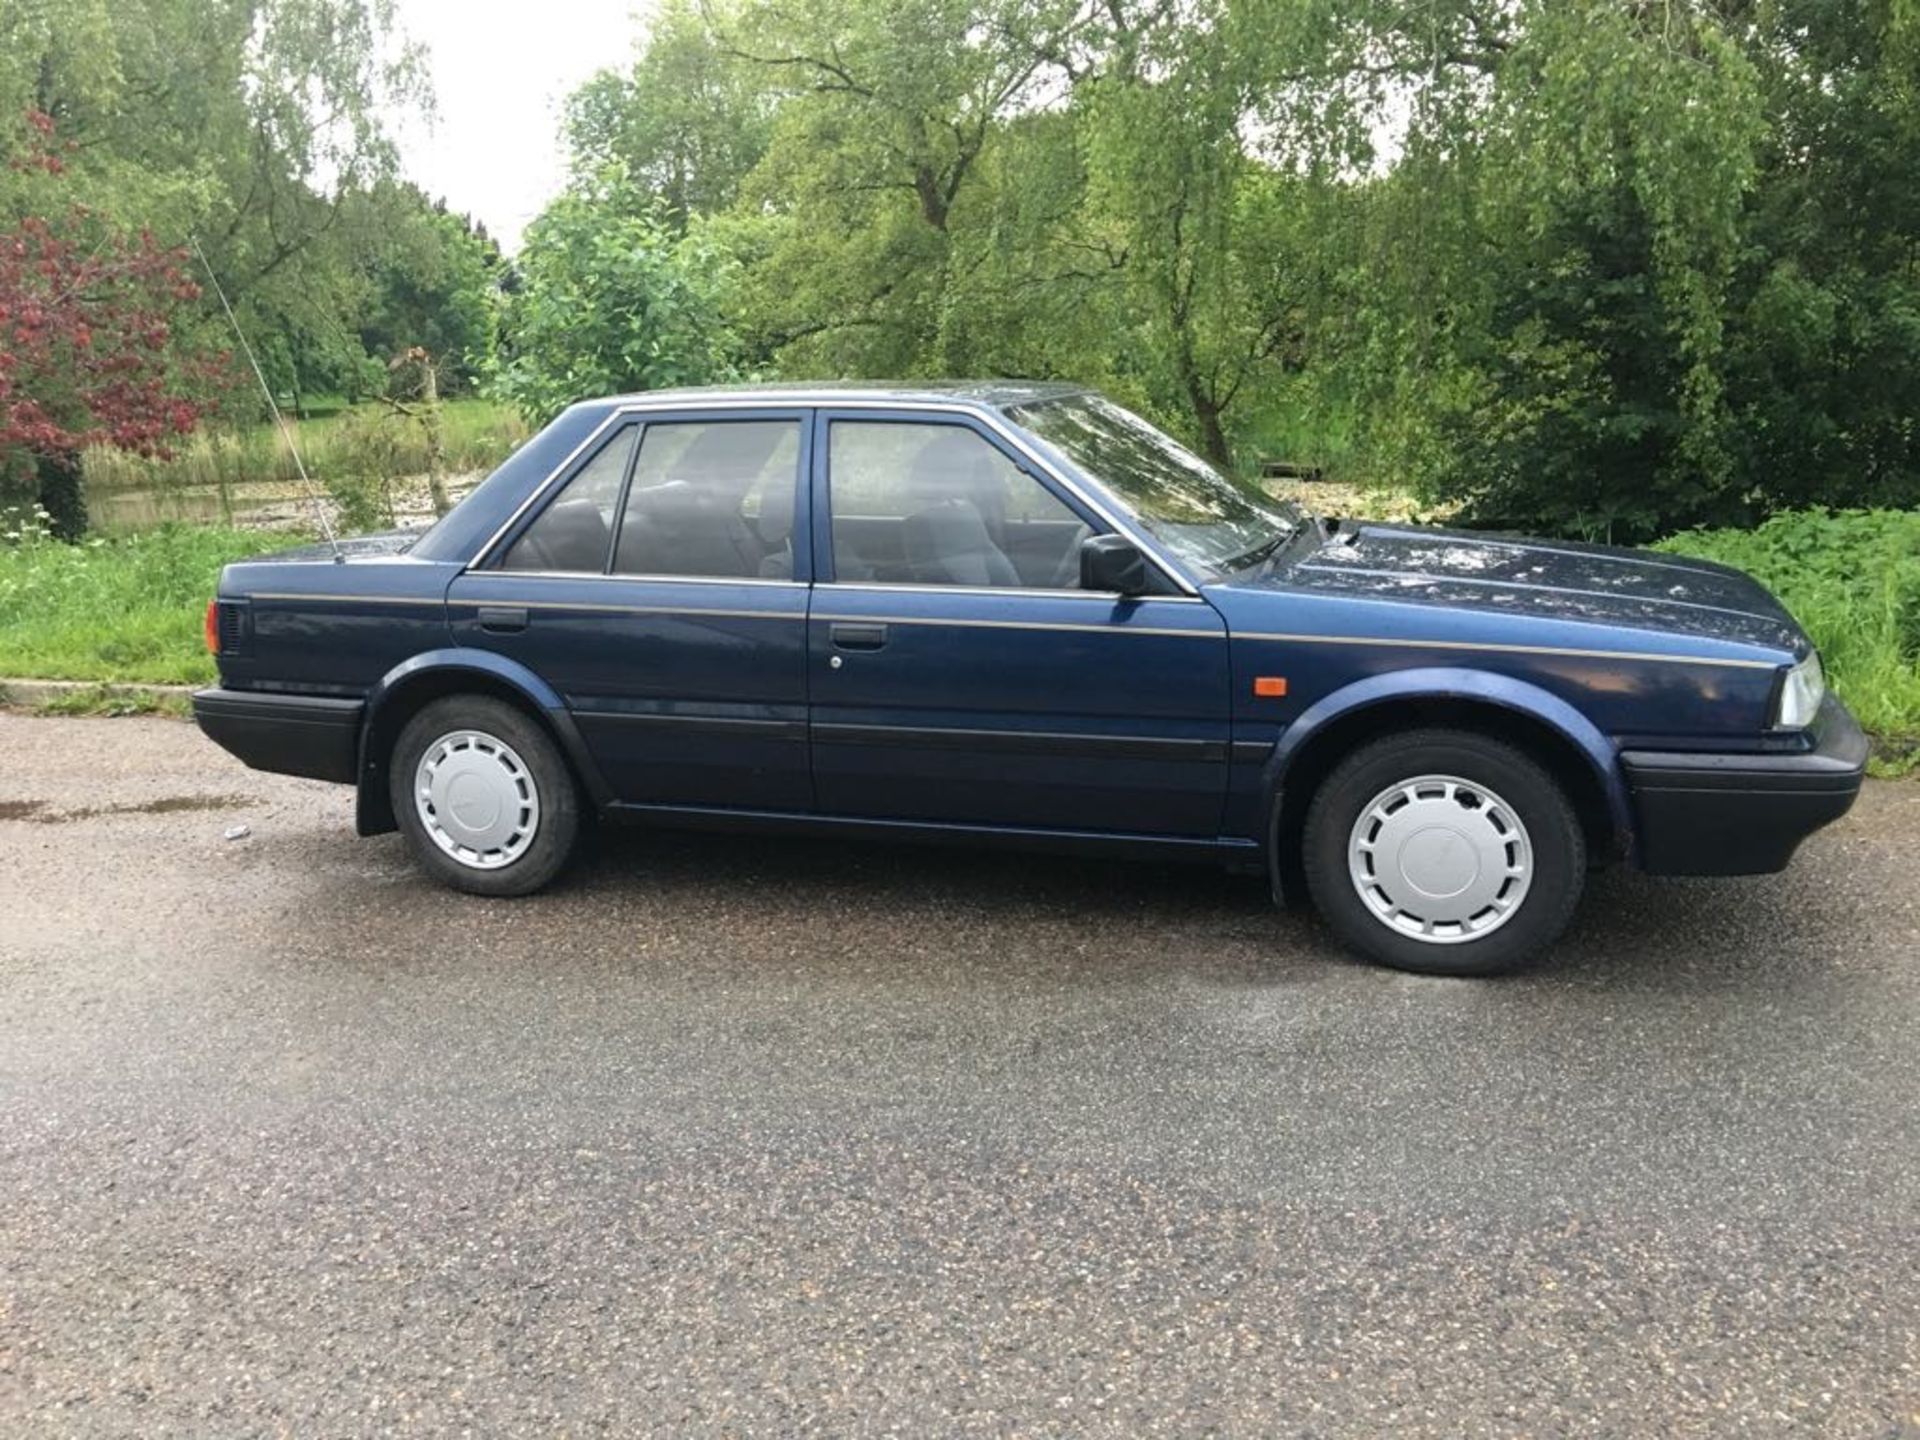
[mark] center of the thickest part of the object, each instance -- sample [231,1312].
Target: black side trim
[1719,814]
[734,725]
[1024,742]
[312,735]
[1233,849]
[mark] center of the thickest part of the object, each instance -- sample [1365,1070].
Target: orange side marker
[1270,686]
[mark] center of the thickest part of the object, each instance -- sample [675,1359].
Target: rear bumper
[312,735]
[1742,814]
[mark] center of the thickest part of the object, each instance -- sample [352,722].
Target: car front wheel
[483,796]
[1444,851]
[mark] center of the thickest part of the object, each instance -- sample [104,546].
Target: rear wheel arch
[1306,766]
[404,694]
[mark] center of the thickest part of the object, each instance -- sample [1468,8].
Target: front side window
[936,504]
[712,499]
[575,532]
[1204,517]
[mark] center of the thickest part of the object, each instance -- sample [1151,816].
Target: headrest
[775,523]
[730,453]
[570,535]
[671,505]
[951,528]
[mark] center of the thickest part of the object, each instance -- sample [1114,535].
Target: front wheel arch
[1308,764]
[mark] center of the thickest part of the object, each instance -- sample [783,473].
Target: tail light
[213,627]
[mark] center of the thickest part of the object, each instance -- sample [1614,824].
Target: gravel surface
[755,1137]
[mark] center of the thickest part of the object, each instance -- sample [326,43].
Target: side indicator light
[213,627]
[1270,687]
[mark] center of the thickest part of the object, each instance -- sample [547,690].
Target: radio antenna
[286,431]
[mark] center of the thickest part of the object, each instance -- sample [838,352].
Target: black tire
[1553,833]
[558,823]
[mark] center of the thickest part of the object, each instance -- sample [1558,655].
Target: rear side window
[712,499]
[575,532]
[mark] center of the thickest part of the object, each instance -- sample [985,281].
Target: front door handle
[503,619]
[857,637]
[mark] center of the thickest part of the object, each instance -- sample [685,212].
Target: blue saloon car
[1019,614]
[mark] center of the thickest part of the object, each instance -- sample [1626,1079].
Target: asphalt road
[775,1137]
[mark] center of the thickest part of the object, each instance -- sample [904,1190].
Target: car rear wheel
[1444,851]
[484,796]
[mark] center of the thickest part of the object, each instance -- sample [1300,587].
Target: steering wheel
[1066,575]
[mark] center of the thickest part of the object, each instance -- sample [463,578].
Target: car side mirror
[1113,564]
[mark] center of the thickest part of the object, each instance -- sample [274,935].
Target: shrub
[1852,578]
[126,609]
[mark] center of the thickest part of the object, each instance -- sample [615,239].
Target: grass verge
[1853,580]
[127,610]
[114,700]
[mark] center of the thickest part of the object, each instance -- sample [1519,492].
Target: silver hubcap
[1440,859]
[477,799]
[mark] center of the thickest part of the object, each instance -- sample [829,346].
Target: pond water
[256,505]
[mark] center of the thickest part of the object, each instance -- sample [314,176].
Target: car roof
[988,394]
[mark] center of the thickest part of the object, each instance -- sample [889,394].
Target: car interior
[722,508]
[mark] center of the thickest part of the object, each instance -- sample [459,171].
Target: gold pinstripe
[1498,648]
[1387,642]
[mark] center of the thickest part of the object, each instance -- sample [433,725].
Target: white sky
[501,69]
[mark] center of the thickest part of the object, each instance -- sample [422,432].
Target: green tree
[250,124]
[430,277]
[688,120]
[610,299]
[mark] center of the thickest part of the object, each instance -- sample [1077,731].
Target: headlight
[1801,694]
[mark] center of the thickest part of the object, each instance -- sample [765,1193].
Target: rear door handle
[857,637]
[503,619]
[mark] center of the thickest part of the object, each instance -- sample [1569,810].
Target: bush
[1852,578]
[127,610]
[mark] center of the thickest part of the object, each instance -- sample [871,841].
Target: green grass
[128,609]
[1853,580]
[112,700]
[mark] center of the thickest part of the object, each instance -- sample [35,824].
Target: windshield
[1199,514]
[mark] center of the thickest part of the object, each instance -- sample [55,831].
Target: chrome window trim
[1074,626]
[1042,591]
[614,607]
[840,404]
[649,579]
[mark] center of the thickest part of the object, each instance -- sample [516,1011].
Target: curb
[35,694]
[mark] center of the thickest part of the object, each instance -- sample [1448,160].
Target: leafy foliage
[609,300]
[1853,579]
[1579,266]
[259,128]
[129,609]
[86,353]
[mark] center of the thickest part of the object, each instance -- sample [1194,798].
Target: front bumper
[313,735]
[1718,814]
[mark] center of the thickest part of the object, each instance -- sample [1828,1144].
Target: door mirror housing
[1113,564]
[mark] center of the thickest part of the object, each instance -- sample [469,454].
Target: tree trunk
[430,396]
[62,493]
[1213,439]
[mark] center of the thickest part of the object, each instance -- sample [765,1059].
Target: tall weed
[1852,578]
[128,609]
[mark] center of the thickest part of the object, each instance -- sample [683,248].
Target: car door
[654,587]
[957,671]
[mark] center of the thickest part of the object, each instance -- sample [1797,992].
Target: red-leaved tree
[88,351]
